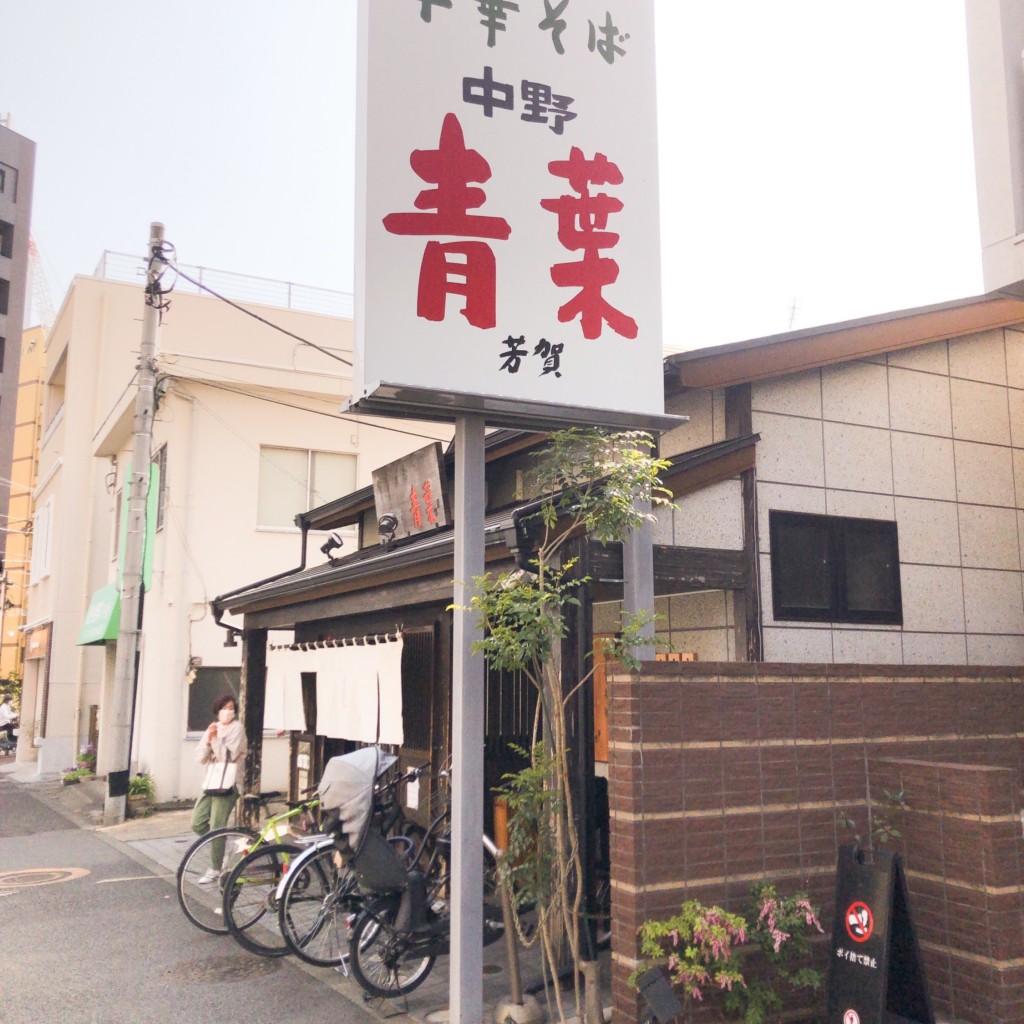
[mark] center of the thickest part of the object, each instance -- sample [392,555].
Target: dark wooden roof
[378,567]
[779,354]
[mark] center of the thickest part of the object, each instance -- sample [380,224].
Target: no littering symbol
[860,923]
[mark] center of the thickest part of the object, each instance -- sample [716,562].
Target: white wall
[210,542]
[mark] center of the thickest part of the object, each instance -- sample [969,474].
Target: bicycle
[403,927]
[319,896]
[404,923]
[250,897]
[200,884]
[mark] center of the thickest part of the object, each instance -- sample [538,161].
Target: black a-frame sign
[875,973]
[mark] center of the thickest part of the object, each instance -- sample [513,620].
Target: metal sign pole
[466,967]
[638,580]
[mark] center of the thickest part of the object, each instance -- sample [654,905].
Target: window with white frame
[294,480]
[206,687]
[42,533]
[55,390]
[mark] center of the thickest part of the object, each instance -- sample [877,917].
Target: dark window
[6,239]
[5,296]
[833,569]
[3,349]
[208,685]
[8,182]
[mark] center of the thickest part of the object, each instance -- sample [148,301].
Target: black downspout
[215,604]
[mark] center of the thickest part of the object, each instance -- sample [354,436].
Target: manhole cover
[225,968]
[39,876]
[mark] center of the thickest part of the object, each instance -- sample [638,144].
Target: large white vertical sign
[995,40]
[507,201]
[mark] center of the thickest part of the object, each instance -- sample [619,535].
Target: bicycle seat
[262,798]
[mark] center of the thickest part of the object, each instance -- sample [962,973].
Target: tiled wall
[723,774]
[701,623]
[933,438]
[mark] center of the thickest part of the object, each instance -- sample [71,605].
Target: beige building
[247,434]
[21,508]
[883,519]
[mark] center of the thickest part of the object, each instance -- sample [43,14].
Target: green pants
[213,812]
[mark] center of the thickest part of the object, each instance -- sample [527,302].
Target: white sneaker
[208,877]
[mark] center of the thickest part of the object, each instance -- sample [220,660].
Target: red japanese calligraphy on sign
[428,503]
[415,509]
[412,490]
[507,208]
[452,167]
[582,220]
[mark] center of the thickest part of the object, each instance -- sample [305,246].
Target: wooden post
[739,422]
[576,646]
[252,700]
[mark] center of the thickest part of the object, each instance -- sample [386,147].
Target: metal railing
[120,266]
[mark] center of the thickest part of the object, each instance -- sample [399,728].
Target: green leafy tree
[602,485]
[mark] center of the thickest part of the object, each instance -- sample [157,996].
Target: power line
[302,408]
[248,312]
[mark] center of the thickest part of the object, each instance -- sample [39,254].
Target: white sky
[812,152]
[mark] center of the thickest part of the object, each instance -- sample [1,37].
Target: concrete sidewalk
[158,843]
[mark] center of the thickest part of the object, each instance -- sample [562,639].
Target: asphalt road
[91,935]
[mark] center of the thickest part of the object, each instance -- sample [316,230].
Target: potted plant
[141,794]
[86,759]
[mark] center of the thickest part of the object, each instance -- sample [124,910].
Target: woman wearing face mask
[224,740]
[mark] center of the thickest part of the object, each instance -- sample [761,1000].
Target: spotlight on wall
[387,524]
[333,542]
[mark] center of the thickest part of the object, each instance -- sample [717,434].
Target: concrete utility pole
[129,634]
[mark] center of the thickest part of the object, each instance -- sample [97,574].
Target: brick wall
[962,847]
[723,774]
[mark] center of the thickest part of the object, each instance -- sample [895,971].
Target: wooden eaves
[419,570]
[761,358]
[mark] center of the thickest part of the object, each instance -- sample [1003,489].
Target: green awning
[103,617]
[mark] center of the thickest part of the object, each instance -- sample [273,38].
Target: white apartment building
[247,434]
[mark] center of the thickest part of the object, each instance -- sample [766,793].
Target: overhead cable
[248,312]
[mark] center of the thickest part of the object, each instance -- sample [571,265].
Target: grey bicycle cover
[347,787]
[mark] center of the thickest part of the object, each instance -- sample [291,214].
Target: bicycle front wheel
[250,899]
[203,872]
[384,962]
[314,909]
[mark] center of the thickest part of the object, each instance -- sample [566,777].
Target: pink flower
[809,916]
